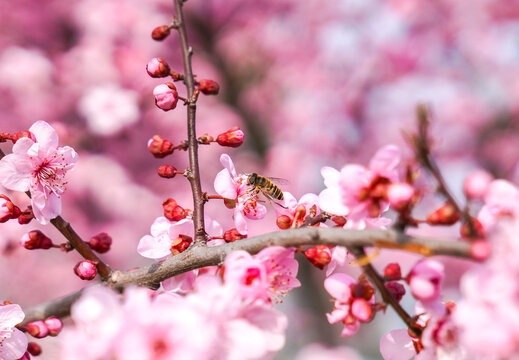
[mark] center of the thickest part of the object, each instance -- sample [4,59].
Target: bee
[266,186]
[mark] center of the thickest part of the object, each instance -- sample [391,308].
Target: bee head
[252,179]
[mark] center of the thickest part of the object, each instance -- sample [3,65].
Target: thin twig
[194,171]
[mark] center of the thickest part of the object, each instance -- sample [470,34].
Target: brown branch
[76,241]
[199,256]
[194,171]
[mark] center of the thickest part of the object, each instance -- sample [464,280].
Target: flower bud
[400,195]
[425,279]
[473,230]
[35,240]
[180,244]
[284,222]
[231,138]
[233,235]
[362,289]
[392,272]
[476,184]
[37,329]
[445,215]
[100,243]
[172,211]
[209,87]
[160,32]
[362,310]
[22,134]
[33,349]
[166,96]
[167,171]
[205,139]
[7,209]
[86,270]
[160,147]
[396,289]
[339,220]
[319,256]
[480,250]
[26,216]
[158,68]
[54,325]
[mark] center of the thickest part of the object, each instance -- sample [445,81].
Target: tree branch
[199,256]
[194,171]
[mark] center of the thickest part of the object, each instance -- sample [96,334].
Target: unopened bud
[396,289]
[166,96]
[7,209]
[472,229]
[26,216]
[158,68]
[231,138]
[37,329]
[362,289]
[209,87]
[167,171]
[392,272]
[86,270]
[319,256]
[22,134]
[284,222]
[476,184]
[54,325]
[100,243]
[160,147]
[206,139]
[300,212]
[172,211]
[180,244]
[160,32]
[339,220]
[35,240]
[445,215]
[233,235]
[400,195]
[33,349]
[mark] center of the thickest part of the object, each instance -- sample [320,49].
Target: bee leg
[284,207]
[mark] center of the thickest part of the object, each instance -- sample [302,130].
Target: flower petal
[338,286]
[226,161]
[330,201]
[385,161]
[225,185]
[397,345]
[15,172]
[14,347]
[45,135]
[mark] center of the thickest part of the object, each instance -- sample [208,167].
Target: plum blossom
[360,192]
[39,166]
[501,201]
[425,280]
[268,275]
[353,302]
[234,187]
[13,342]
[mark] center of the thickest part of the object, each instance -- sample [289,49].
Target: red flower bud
[160,147]
[475,230]
[180,244]
[209,87]
[86,270]
[160,32]
[392,272]
[7,209]
[35,240]
[396,289]
[339,220]
[319,256]
[284,222]
[54,325]
[33,349]
[172,211]
[26,216]
[22,134]
[233,235]
[100,242]
[167,171]
[231,138]
[362,289]
[445,215]
[37,329]
[166,96]
[205,139]
[157,68]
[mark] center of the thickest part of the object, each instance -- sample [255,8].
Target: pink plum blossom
[268,275]
[39,166]
[349,308]
[360,192]
[425,280]
[397,345]
[476,184]
[232,186]
[291,205]
[501,201]
[13,342]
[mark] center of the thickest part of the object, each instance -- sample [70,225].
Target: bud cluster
[36,240]
[8,210]
[49,327]
[173,211]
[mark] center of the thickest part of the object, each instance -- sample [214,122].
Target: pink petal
[240,222]
[45,209]
[259,212]
[154,248]
[331,176]
[290,203]
[362,310]
[14,347]
[15,172]
[182,283]
[160,226]
[350,329]
[309,200]
[337,315]
[338,286]
[423,289]
[10,315]
[69,155]
[227,163]
[397,345]
[352,180]
[330,201]
[22,146]
[385,161]
[225,185]
[45,135]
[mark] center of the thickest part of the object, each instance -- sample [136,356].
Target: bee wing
[278,181]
